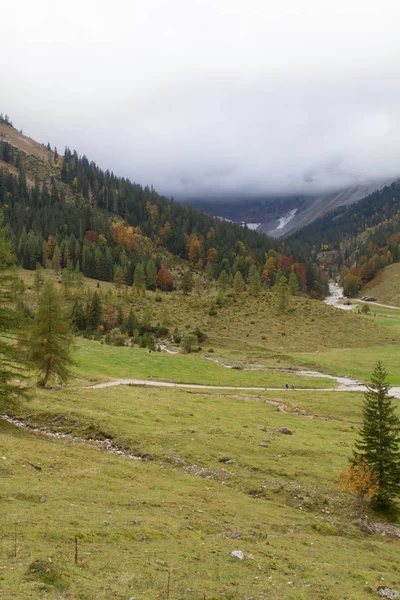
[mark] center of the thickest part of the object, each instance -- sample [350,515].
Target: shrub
[189,343]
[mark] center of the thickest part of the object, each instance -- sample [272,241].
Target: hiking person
[292,386]
[287,386]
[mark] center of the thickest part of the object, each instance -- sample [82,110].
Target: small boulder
[237,554]
[385,592]
[284,430]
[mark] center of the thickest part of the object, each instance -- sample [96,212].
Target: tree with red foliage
[165,280]
[91,236]
[284,262]
[301,272]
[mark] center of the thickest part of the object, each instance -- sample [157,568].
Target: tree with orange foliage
[212,255]
[359,479]
[194,250]
[165,280]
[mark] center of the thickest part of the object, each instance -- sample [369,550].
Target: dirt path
[353,387]
[378,304]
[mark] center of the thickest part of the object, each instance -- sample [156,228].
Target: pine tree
[379,441]
[51,338]
[94,313]
[11,367]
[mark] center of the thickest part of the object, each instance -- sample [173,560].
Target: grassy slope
[94,360]
[359,363]
[386,286]
[137,520]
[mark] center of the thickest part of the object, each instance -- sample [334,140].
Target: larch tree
[51,339]
[254,281]
[379,441]
[139,280]
[238,283]
[294,288]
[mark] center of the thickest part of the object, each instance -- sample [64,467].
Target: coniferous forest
[66,212]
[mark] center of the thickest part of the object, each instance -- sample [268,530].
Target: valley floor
[144,491]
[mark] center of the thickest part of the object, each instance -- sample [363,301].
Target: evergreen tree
[379,442]
[293,284]
[51,338]
[139,281]
[119,278]
[151,274]
[281,290]
[56,260]
[11,366]
[254,281]
[94,313]
[38,279]
[78,318]
[130,323]
[187,282]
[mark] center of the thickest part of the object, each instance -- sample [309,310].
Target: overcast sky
[206,97]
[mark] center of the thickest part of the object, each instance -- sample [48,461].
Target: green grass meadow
[181,512]
[211,475]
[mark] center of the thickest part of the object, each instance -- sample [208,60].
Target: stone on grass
[284,430]
[386,592]
[237,554]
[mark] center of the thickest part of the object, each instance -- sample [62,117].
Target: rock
[237,554]
[236,535]
[263,428]
[218,430]
[43,499]
[251,556]
[386,592]
[284,430]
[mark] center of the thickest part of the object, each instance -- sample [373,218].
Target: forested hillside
[359,241]
[65,212]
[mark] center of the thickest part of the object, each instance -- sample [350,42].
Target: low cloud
[213,97]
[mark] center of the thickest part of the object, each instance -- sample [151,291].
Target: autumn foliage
[165,280]
[361,480]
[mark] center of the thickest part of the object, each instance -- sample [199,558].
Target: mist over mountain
[212,99]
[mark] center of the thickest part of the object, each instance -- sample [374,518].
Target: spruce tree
[379,442]
[51,340]
[94,313]
[11,367]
